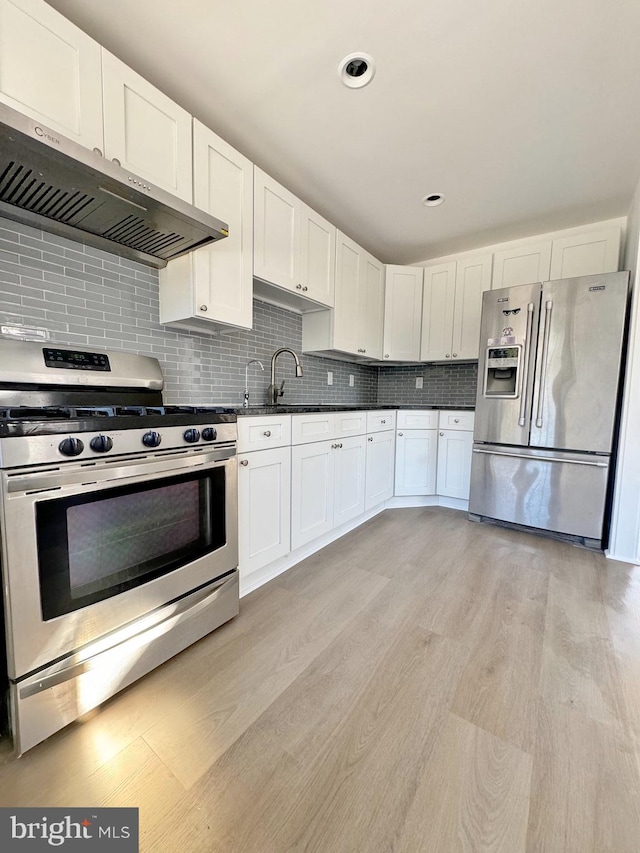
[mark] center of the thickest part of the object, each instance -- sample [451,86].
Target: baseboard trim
[267,573]
[622,558]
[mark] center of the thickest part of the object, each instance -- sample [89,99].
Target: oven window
[96,545]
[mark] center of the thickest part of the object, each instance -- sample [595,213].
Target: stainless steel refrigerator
[549,385]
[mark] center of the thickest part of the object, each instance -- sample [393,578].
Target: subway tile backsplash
[444,384]
[92,298]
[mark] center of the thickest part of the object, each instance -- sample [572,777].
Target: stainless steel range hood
[55,184]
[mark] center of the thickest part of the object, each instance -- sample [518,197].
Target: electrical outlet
[419,382]
[329,377]
[352,380]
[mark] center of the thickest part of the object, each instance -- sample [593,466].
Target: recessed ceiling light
[433,199]
[356,70]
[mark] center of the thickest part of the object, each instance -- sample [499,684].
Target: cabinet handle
[383,422]
[448,356]
[440,433]
[267,432]
[340,445]
[97,151]
[455,355]
[298,287]
[370,438]
[364,350]
[244,462]
[204,308]
[334,446]
[456,420]
[400,434]
[116,161]
[304,289]
[386,355]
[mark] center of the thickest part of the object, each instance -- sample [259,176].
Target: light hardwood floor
[422,684]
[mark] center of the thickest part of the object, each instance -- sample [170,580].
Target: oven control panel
[75,359]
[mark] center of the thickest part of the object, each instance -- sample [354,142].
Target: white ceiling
[525,114]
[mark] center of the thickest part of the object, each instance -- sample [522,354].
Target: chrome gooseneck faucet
[245,401]
[273,392]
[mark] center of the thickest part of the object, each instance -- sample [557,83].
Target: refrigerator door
[578,362]
[560,492]
[508,333]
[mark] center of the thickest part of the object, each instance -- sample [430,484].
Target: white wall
[624,543]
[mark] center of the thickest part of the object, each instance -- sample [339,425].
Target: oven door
[88,548]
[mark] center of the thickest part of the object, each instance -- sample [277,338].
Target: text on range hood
[55,184]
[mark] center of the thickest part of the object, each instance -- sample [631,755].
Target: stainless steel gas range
[118,526]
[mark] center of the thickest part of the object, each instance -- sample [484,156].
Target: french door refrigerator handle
[525,372]
[548,308]
[541,458]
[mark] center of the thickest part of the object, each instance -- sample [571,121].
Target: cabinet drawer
[258,433]
[312,427]
[456,420]
[350,423]
[379,421]
[420,419]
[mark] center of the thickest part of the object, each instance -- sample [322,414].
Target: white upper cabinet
[437,311]
[349,261]
[213,286]
[50,70]
[473,277]
[294,248]
[145,131]
[371,307]
[590,253]
[276,249]
[525,264]
[402,313]
[317,256]
[355,327]
[451,308]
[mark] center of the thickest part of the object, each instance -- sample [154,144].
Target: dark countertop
[304,409]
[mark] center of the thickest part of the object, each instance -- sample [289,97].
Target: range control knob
[151,439]
[191,436]
[101,443]
[71,447]
[209,433]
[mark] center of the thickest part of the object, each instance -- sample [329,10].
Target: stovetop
[52,420]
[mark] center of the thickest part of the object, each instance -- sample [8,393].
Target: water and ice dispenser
[502,371]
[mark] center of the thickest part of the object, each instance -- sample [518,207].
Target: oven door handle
[187,606]
[122,473]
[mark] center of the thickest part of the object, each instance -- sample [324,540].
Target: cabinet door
[345,317]
[473,277]
[416,461]
[586,254]
[454,463]
[223,187]
[276,248]
[264,507]
[317,257]
[437,312]
[379,468]
[402,313]
[145,131]
[521,265]
[312,491]
[370,316]
[50,70]
[349,479]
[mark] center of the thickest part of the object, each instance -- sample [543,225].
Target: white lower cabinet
[416,461]
[349,479]
[312,491]
[379,468]
[264,507]
[454,463]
